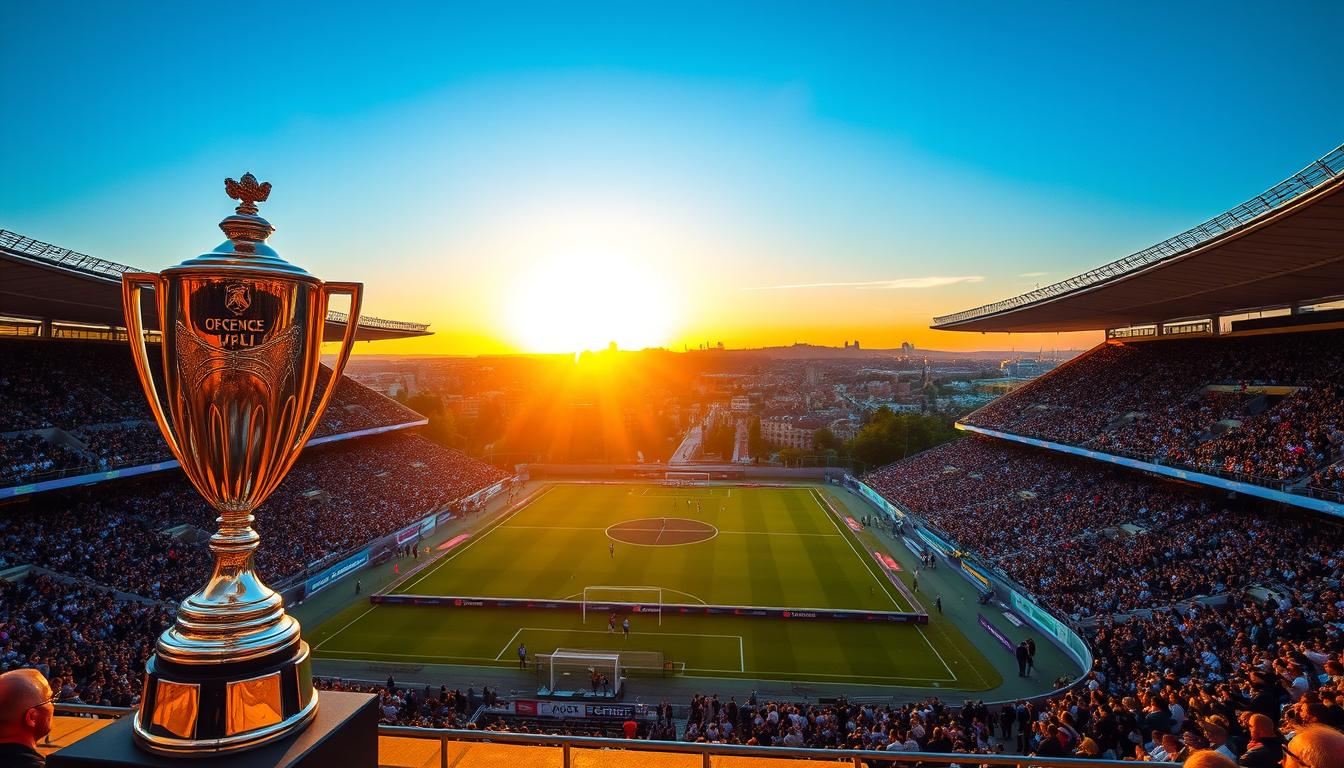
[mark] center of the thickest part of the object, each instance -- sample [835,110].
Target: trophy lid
[246,248]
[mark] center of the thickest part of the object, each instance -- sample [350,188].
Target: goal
[603,600]
[692,479]
[587,673]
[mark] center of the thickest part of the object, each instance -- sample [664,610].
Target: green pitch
[777,547]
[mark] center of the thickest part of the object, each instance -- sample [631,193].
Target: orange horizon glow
[457,343]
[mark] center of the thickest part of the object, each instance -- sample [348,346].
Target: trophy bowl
[241,333]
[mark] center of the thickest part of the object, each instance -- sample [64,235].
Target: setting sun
[585,301]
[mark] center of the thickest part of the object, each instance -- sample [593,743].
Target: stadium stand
[1268,409]
[90,645]
[117,535]
[73,407]
[1092,540]
[1166,660]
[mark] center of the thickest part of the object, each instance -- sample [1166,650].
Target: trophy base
[344,733]
[203,709]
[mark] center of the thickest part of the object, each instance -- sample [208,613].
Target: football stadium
[674,386]
[1159,519]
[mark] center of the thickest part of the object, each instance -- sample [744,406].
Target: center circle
[662,531]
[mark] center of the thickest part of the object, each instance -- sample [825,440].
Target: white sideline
[476,539]
[886,586]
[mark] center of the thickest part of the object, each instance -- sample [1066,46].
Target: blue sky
[441,152]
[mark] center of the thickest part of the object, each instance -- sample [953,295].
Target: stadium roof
[1280,248]
[45,282]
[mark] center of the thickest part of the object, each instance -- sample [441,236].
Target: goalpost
[641,600]
[695,479]
[585,671]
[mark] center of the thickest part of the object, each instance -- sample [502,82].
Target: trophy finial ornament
[248,192]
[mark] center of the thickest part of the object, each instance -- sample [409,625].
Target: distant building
[790,431]
[740,404]
[1025,367]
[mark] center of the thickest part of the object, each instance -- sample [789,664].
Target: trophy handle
[132,283]
[356,293]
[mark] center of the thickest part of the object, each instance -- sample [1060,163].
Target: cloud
[896,284]
[1033,274]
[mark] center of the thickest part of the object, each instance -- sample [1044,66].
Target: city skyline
[544,180]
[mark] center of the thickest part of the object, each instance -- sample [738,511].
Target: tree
[720,440]
[755,443]
[825,440]
[442,427]
[890,436]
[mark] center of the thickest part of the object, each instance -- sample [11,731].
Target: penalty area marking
[579,596]
[741,654]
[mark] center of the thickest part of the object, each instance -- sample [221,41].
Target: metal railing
[1323,170]
[365,321]
[63,256]
[707,751]
[110,269]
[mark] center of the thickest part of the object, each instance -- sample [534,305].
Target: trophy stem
[235,616]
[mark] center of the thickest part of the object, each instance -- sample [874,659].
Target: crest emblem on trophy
[238,298]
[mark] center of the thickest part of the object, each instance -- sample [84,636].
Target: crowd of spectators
[124,445]
[24,456]
[114,538]
[89,645]
[1172,674]
[999,499]
[117,535]
[926,726]
[1200,677]
[1268,407]
[91,391]
[421,707]
[1087,539]
[1330,480]
[355,407]
[67,384]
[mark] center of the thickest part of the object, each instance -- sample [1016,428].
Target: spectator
[25,716]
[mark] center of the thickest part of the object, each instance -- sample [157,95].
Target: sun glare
[585,302]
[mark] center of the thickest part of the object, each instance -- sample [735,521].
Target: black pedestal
[344,733]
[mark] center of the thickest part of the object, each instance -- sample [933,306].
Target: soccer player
[522,655]
[611,549]
[611,623]
[625,627]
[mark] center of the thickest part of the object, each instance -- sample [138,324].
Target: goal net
[603,601]
[686,479]
[586,673]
